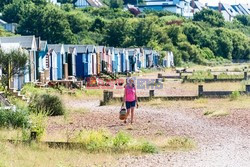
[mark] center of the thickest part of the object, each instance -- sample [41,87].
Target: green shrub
[51,104]
[121,140]
[38,125]
[16,119]
[95,141]
[235,95]
[147,147]
[103,141]
[200,76]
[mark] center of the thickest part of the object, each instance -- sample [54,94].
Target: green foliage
[235,95]
[16,119]
[116,3]
[200,76]
[121,140]
[12,63]
[38,124]
[50,104]
[206,40]
[103,141]
[147,147]
[243,19]
[213,17]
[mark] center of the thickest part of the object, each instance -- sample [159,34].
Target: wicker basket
[122,114]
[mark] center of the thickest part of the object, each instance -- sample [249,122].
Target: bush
[235,95]
[38,124]
[50,104]
[147,147]
[103,141]
[15,119]
[200,76]
[121,140]
[95,141]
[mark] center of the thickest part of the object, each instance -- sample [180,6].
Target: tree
[144,31]
[12,63]
[213,17]
[13,13]
[243,19]
[52,24]
[116,3]
[118,33]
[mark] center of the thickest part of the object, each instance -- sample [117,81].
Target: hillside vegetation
[207,39]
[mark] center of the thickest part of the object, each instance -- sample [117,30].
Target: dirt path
[221,141]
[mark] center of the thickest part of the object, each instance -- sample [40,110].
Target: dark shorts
[130,104]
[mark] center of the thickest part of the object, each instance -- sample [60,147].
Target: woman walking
[130,99]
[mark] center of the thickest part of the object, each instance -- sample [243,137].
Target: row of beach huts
[62,62]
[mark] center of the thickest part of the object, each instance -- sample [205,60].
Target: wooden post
[151,93]
[200,90]
[247,89]
[159,75]
[215,77]
[107,96]
[185,78]
[33,135]
[245,75]
[180,74]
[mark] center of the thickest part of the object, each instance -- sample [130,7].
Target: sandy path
[221,141]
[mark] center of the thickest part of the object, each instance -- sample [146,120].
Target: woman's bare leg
[132,114]
[128,112]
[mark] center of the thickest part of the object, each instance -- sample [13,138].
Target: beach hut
[142,58]
[101,55]
[110,57]
[132,59]
[92,60]
[42,50]
[149,57]
[59,49]
[70,59]
[168,60]
[122,61]
[115,60]
[53,65]
[156,58]
[80,60]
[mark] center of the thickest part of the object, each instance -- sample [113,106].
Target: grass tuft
[179,143]
[216,113]
[235,95]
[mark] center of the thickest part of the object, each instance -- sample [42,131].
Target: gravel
[222,142]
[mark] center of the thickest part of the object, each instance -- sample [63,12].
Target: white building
[181,7]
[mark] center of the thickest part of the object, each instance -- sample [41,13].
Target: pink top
[130,93]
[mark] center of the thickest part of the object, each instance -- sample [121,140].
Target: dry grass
[175,143]
[40,155]
[218,113]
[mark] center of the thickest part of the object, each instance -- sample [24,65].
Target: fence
[206,80]
[108,96]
